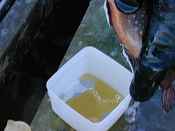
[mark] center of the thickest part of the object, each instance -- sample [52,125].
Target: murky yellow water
[97,102]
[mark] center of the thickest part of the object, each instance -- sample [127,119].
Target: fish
[146,33]
[129,28]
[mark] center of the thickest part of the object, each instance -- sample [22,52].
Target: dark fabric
[158,56]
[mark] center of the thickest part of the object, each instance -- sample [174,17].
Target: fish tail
[168,98]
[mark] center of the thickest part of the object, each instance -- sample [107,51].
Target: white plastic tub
[62,86]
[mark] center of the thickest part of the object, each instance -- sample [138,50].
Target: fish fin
[168,98]
[127,59]
[107,12]
[168,91]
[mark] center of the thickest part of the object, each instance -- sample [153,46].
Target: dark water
[23,85]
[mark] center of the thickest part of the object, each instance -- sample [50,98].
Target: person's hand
[17,126]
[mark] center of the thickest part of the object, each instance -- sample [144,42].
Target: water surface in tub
[96,102]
